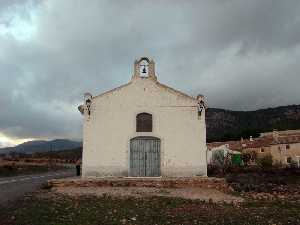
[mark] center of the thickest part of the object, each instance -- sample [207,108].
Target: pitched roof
[175,91]
[112,90]
[156,82]
[288,139]
[233,145]
[260,142]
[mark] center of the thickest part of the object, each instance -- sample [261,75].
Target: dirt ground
[259,197]
[203,194]
[48,208]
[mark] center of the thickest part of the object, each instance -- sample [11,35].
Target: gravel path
[204,194]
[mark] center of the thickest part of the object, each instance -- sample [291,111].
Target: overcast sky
[241,55]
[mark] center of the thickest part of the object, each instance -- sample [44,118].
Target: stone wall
[213,183]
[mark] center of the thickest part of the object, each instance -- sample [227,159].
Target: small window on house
[289,159]
[262,150]
[144,122]
[287,146]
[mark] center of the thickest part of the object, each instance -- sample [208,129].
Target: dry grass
[14,168]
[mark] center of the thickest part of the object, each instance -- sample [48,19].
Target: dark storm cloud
[240,54]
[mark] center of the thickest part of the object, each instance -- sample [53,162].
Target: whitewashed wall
[111,125]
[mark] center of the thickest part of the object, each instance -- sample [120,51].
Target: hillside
[229,125]
[42,146]
[69,154]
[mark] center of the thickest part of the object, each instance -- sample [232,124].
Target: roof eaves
[175,91]
[112,90]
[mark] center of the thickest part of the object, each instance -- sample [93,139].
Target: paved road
[13,187]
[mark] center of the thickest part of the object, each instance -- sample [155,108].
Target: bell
[144,70]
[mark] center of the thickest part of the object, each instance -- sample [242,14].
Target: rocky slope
[229,125]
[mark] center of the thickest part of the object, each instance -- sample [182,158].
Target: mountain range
[42,146]
[221,125]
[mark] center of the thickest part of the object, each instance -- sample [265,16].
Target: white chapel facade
[143,129]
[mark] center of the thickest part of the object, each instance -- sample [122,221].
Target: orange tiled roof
[233,145]
[257,142]
[288,139]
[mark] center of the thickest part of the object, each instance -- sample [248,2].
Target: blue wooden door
[145,157]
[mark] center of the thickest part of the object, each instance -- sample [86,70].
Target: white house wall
[112,123]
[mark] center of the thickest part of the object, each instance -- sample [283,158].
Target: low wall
[201,182]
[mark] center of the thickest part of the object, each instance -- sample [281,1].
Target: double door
[145,157]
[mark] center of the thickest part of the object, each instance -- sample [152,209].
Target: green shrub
[265,162]
[246,157]
[293,164]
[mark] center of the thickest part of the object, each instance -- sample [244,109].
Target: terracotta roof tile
[288,139]
[233,145]
[258,142]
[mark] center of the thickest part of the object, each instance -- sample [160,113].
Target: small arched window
[144,122]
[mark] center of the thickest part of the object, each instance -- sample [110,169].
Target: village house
[144,129]
[283,146]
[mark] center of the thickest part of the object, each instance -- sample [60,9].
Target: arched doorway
[145,157]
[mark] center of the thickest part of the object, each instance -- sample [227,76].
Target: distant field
[14,168]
